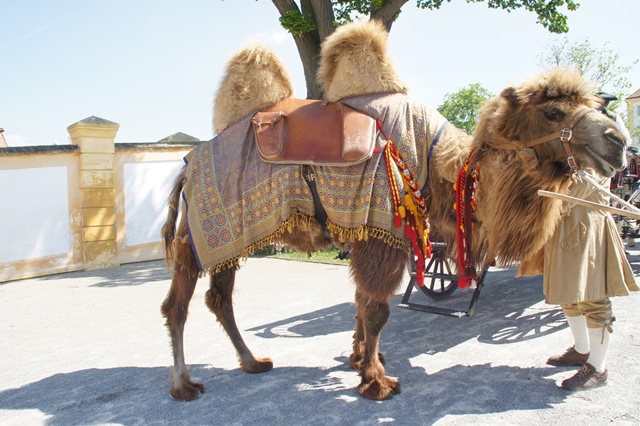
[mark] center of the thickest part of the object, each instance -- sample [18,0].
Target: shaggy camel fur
[512,222]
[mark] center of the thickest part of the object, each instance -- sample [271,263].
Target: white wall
[34,220]
[146,189]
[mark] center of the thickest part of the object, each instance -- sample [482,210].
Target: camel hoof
[379,389]
[258,365]
[187,392]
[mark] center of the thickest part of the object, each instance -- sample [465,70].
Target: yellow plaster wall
[96,139]
[97,217]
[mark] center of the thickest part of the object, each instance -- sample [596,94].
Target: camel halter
[465,188]
[565,136]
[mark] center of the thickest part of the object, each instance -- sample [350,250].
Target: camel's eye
[554,114]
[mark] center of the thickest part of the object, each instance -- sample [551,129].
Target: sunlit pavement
[91,348]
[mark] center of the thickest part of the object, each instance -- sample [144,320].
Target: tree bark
[308,45]
[323,12]
[387,13]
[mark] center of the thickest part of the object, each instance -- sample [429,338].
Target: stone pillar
[96,138]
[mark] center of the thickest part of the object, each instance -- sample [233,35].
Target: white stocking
[599,346]
[578,327]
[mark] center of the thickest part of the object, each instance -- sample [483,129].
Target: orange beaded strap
[413,210]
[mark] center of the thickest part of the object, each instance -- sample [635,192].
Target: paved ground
[91,348]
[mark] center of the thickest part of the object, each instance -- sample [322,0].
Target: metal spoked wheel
[439,282]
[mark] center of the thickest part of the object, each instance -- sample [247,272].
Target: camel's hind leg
[377,270]
[219,299]
[175,309]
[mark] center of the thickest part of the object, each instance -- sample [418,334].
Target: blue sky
[153,66]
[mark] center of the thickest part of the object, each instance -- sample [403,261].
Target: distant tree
[599,64]
[311,21]
[461,108]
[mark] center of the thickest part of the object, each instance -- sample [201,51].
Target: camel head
[516,160]
[255,78]
[559,99]
[354,61]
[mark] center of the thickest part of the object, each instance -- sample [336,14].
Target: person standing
[584,265]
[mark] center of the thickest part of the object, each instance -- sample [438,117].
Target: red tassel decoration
[465,205]
[413,210]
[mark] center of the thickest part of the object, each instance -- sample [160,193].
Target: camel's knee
[175,313]
[183,257]
[220,291]
[183,282]
[213,299]
[377,315]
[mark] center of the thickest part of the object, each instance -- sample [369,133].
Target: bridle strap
[565,136]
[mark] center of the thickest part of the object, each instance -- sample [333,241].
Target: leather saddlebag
[300,131]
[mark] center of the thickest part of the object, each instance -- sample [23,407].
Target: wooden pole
[590,204]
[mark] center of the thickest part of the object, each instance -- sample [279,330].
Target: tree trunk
[324,17]
[308,45]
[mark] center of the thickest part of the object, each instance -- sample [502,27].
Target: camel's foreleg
[175,309]
[355,359]
[377,270]
[374,383]
[219,299]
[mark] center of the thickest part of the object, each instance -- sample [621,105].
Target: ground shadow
[290,395]
[503,316]
[130,274]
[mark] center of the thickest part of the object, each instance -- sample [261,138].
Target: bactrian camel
[236,204]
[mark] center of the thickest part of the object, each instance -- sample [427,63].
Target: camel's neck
[516,222]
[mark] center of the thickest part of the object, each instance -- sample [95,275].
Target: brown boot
[570,357]
[585,378]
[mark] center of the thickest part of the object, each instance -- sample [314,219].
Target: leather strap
[564,134]
[320,212]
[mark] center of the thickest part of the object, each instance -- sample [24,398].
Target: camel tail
[169,227]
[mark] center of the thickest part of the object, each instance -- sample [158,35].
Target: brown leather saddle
[301,131]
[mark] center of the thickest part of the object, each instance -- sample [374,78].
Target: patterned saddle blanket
[238,204]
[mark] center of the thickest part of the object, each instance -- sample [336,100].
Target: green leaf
[461,108]
[296,23]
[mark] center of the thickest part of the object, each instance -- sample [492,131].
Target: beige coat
[585,258]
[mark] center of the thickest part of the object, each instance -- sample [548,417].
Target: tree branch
[285,6]
[388,13]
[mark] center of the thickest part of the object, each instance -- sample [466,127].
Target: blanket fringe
[363,232]
[297,219]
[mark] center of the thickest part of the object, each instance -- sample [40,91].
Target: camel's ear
[511,95]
